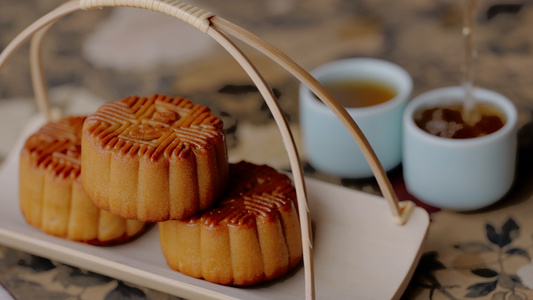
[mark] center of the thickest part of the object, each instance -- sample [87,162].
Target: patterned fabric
[26,276]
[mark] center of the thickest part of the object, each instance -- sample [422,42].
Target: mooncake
[51,195]
[154,158]
[252,235]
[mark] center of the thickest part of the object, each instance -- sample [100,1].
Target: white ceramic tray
[358,253]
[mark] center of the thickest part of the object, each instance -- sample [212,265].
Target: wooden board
[358,253]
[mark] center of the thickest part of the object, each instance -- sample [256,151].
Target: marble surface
[103,55]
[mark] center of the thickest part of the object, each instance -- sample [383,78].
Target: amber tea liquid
[448,122]
[360,92]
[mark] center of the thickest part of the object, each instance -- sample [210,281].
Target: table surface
[97,56]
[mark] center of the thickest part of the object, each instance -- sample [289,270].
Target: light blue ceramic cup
[327,143]
[459,174]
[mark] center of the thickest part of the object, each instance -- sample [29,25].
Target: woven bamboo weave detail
[195,16]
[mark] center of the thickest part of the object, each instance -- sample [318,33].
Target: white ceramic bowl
[459,174]
[328,145]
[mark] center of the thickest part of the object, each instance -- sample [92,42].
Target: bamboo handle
[290,146]
[41,24]
[40,89]
[400,211]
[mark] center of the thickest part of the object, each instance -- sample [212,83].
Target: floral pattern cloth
[27,276]
[496,267]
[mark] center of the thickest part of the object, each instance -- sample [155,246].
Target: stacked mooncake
[162,159]
[51,196]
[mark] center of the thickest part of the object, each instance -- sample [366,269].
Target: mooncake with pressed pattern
[51,196]
[154,158]
[252,235]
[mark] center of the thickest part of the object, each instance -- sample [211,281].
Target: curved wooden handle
[401,211]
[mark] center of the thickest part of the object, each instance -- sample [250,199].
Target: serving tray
[358,252]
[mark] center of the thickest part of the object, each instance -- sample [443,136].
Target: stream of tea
[469,113]
[469,119]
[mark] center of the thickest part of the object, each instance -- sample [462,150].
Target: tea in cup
[453,164]
[374,92]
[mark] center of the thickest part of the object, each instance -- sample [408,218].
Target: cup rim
[452,94]
[404,88]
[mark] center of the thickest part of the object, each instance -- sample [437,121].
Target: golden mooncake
[51,196]
[252,235]
[154,158]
